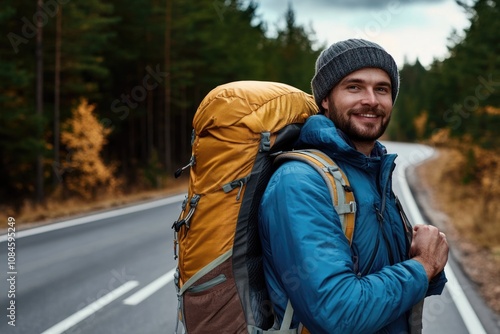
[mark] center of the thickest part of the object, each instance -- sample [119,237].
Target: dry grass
[473,207]
[56,208]
[472,217]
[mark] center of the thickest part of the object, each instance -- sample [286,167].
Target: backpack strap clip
[239,183]
[185,221]
[265,142]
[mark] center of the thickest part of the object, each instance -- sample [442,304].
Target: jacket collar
[321,133]
[378,150]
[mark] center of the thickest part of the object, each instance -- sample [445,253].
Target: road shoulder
[477,268]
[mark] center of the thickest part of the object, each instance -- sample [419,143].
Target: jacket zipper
[380,219]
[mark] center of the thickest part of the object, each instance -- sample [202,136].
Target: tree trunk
[150,124]
[184,136]
[39,101]
[168,31]
[57,96]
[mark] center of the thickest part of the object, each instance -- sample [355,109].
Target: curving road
[459,309]
[111,272]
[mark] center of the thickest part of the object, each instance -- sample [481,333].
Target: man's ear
[324,104]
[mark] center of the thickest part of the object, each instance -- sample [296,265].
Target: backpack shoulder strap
[342,195]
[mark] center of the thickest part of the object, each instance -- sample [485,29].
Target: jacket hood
[321,133]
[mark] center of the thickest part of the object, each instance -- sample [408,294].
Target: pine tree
[410,104]
[293,53]
[19,124]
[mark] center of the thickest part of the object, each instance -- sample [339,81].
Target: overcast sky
[405,28]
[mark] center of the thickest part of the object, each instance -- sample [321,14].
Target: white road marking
[149,289]
[94,217]
[463,305]
[465,309]
[90,309]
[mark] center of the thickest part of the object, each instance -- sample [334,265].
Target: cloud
[368,4]
[282,5]
[408,29]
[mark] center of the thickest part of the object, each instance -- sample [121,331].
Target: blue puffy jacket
[334,288]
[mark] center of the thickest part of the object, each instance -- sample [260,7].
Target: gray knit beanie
[345,57]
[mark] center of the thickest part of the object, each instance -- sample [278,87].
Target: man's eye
[383,89]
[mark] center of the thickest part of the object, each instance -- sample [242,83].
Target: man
[371,285]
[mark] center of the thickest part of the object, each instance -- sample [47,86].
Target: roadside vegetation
[464,203]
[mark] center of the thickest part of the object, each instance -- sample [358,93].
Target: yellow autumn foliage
[84,137]
[420,123]
[490,110]
[472,174]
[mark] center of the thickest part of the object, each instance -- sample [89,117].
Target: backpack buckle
[185,221]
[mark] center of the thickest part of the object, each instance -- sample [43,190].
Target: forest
[98,96]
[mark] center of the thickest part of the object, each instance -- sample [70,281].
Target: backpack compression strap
[338,184]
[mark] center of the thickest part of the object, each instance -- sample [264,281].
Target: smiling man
[374,284]
[363,107]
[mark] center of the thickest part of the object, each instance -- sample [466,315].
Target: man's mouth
[368,115]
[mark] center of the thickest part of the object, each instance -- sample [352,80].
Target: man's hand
[430,248]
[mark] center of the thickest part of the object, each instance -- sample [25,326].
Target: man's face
[361,104]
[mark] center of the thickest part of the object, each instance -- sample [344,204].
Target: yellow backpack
[240,129]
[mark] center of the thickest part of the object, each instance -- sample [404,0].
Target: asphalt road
[112,273]
[89,270]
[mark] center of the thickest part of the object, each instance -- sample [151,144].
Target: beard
[357,132]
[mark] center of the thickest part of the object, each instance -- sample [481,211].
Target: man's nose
[369,98]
